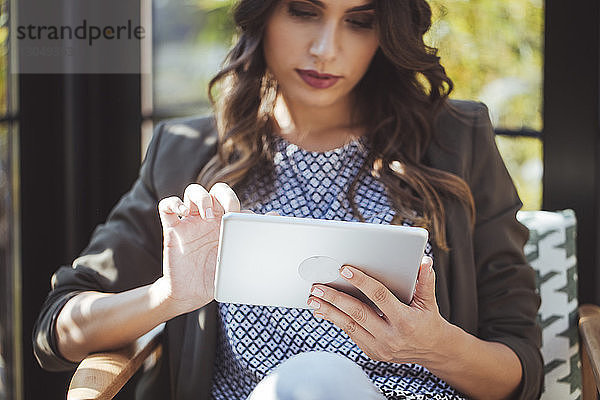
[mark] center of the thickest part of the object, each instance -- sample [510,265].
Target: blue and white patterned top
[252,340]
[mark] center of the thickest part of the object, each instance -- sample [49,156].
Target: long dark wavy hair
[400,112]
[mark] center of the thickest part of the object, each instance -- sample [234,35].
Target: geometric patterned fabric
[253,340]
[551,252]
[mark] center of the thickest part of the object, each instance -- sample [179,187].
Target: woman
[329,109]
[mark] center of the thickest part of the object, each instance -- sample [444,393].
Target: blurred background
[71,144]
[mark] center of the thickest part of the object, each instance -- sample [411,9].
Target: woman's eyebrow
[364,7]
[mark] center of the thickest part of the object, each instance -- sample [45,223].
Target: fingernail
[314,304]
[346,272]
[428,261]
[209,213]
[318,292]
[319,315]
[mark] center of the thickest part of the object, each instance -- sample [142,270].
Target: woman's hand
[418,333]
[405,333]
[190,241]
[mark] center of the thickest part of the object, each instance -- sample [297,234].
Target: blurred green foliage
[493,51]
[523,159]
[218,26]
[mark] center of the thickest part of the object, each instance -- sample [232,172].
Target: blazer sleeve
[507,297]
[123,253]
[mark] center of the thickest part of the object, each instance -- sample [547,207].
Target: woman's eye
[362,23]
[300,12]
[307,12]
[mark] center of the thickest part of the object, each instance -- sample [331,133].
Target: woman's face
[305,39]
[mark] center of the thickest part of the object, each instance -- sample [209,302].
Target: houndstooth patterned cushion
[551,252]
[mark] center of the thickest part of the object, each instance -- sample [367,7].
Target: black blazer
[484,284]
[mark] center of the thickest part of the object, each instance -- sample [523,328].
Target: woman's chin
[317,98]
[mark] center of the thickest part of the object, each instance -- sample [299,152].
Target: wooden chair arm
[101,375]
[589,331]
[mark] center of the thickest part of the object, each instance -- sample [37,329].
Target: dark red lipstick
[317,80]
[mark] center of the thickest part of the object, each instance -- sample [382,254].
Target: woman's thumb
[425,287]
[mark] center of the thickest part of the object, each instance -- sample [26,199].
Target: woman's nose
[324,44]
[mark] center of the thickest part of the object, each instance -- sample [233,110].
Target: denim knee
[316,375]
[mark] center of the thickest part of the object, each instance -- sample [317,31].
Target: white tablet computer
[273,260]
